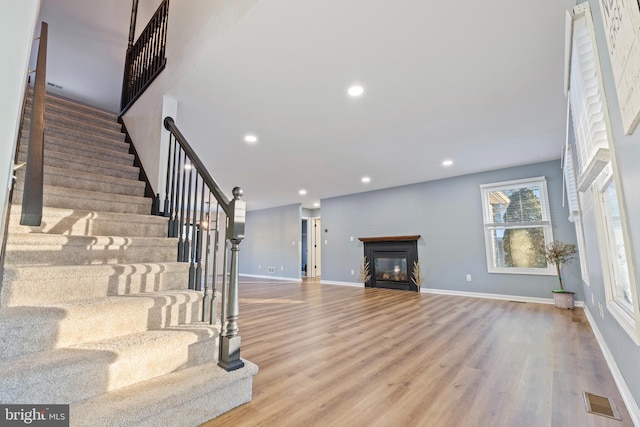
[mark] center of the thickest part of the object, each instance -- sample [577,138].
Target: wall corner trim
[627,397]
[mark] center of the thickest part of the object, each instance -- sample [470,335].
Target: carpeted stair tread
[185,398]
[90,223]
[51,99]
[73,117]
[52,249]
[79,180]
[90,369]
[42,285]
[69,198]
[78,130]
[99,152]
[84,164]
[66,324]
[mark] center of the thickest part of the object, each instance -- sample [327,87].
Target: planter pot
[564,299]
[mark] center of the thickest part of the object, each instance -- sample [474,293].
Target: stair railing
[32,196]
[192,219]
[146,59]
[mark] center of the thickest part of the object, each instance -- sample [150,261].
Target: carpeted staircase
[94,310]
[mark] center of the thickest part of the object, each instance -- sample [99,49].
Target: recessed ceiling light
[316,205]
[447,162]
[302,192]
[366,179]
[251,139]
[355,90]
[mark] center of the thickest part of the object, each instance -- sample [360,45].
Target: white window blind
[570,184]
[588,108]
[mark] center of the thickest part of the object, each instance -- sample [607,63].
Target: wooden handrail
[32,198]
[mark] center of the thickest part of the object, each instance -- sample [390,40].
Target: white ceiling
[479,83]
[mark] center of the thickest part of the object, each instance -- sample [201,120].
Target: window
[618,279]
[596,172]
[516,221]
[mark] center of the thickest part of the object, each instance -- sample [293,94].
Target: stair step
[55,249]
[52,99]
[42,285]
[106,154]
[66,324]
[90,223]
[76,133]
[83,371]
[68,198]
[63,114]
[79,180]
[186,398]
[84,164]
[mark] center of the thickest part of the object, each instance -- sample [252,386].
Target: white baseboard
[333,282]
[286,279]
[493,296]
[627,397]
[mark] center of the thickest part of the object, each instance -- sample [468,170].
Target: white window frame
[601,171]
[627,315]
[490,225]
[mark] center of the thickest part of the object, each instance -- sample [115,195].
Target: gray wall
[447,214]
[272,239]
[627,154]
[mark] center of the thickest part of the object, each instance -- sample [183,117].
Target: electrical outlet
[326,241]
[259,266]
[468,277]
[351,238]
[593,299]
[353,272]
[282,268]
[601,310]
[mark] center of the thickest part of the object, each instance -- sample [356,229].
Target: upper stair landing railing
[146,58]
[32,198]
[189,188]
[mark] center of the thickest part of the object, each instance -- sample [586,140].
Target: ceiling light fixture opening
[251,139]
[355,90]
[316,205]
[447,162]
[365,180]
[302,192]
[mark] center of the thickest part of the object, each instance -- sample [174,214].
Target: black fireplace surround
[391,260]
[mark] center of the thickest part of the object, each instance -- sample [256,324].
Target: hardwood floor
[345,356]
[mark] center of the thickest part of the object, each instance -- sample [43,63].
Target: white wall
[193,26]
[17,25]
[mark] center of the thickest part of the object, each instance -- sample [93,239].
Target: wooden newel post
[230,343]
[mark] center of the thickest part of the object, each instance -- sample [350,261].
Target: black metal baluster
[173,232]
[214,283]
[185,242]
[194,231]
[198,254]
[165,212]
[181,224]
[206,303]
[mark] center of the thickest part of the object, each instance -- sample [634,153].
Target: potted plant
[558,253]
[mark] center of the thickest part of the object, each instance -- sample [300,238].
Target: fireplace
[391,261]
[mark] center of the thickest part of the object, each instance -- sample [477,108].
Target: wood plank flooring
[345,356]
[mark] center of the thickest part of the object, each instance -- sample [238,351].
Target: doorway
[304,248]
